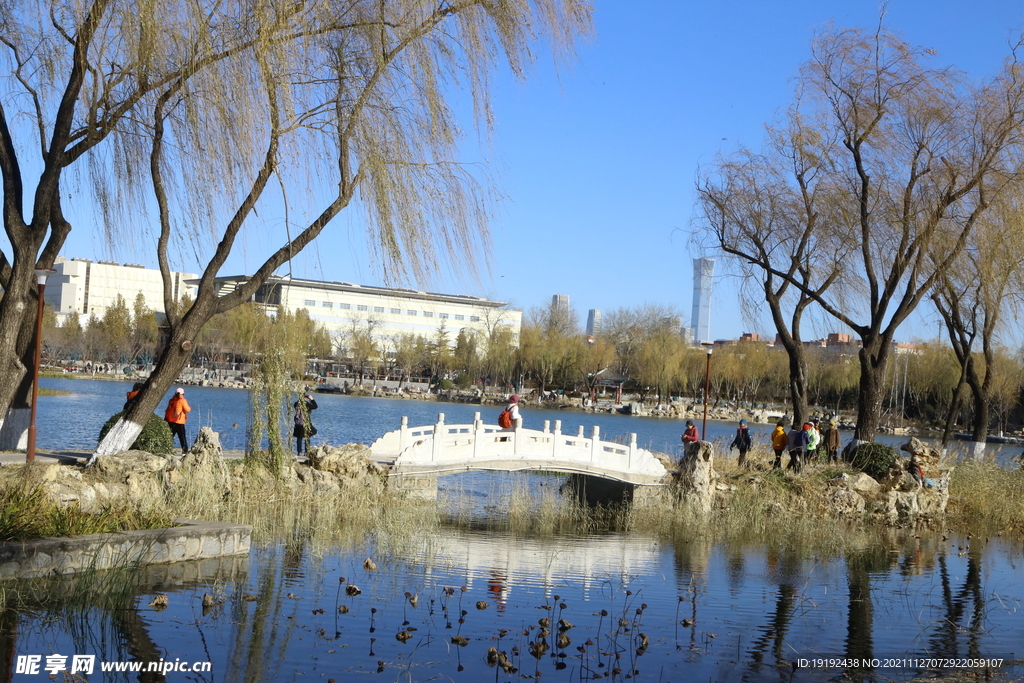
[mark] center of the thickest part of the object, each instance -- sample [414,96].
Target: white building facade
[342,306]
[90,288]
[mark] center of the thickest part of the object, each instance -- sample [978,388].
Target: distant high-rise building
[560,302]
[594,322]
[703,276]
[672,324]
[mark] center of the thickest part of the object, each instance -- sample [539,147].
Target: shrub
[874,459]
[155,437]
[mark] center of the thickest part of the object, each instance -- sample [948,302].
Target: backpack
[505,419]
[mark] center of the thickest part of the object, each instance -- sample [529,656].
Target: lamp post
[41,275]
[707,386]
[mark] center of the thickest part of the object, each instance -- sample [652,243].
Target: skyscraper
[703,276]
[594,322]
[560,302]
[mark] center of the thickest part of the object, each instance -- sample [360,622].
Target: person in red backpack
[176,416]
[513,409]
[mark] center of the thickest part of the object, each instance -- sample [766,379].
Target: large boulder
[351,464]
[697,476]
[858,481]
[119,466]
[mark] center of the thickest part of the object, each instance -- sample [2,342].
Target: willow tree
[973,297]
[764,212]
[919,156]
[199,116]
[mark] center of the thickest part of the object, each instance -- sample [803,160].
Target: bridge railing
[442,443]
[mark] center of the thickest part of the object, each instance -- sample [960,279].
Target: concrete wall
[194,540]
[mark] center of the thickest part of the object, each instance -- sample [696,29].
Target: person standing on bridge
[507,418]
[513,409]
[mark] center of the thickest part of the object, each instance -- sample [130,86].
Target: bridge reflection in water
[420,454]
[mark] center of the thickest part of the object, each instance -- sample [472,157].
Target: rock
[117,467]
[863,483]
[926,457]
[205,448]
[142,487]
[845,501]
[697,476]
[666,461]
[204,460]
[351,464]
[906,482]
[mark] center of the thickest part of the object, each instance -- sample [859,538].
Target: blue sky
[596,162]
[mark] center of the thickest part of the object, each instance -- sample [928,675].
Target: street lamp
[707,385]
[41,275]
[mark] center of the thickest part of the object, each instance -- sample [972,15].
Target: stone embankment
[190,540]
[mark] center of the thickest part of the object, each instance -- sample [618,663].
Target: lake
[658,608]
[73,422]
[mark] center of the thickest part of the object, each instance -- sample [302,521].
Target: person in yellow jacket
[176,416]
[779,442]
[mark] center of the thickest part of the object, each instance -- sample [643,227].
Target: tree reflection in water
[964,611]
[786,569]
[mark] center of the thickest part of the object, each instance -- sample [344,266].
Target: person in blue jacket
[742,442]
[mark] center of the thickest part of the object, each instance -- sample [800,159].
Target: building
[88,288]
[672,324]
[342,306]
[703,276]
[594,322]
[560,304]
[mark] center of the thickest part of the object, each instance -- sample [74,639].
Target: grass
[27,513]
[984,497]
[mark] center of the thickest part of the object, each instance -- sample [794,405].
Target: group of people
[176,416]
[803,443]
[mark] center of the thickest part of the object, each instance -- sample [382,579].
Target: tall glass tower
[703,276]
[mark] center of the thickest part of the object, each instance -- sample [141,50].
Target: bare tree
[765,212]
[919,157]
[349,97]
[973,296]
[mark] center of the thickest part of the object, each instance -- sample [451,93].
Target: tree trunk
[15,424]
[982,406]
[954,406]
[798,383]
[174,358]
[874,357]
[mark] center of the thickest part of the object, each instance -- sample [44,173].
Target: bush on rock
[875,459]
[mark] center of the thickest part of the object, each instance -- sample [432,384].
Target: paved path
[69,457]
[18,457]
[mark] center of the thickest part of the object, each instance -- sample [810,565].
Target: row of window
[394,311]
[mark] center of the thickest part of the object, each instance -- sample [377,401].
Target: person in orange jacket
[779,442]
[176,416]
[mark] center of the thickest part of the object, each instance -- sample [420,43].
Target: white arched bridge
[421,454]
